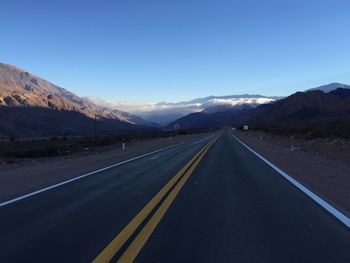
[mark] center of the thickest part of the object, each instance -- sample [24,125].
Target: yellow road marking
[113,247]
[135,247]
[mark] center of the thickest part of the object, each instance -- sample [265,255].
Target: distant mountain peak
[341,92]
[330,87]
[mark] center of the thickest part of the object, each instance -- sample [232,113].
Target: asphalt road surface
[209,200]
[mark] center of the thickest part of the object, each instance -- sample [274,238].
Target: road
[209,200]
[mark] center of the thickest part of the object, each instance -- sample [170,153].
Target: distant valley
[164,113]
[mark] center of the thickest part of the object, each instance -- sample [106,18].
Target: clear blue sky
[171,50]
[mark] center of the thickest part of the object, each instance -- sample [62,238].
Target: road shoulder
[328,178]
[18,180]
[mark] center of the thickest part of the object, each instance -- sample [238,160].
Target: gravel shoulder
[28,175]
[322,165]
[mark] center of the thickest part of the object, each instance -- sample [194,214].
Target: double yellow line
[168,193]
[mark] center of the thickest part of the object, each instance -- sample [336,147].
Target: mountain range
[312,106]
[33,107]
[164,113]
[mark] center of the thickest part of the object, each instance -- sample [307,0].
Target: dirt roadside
[29,175]
[322,165]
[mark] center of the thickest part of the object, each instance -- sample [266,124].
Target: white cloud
[184,108]
[240,101]
[164,113]
[147,107]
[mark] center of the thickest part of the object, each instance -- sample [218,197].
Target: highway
[208,200]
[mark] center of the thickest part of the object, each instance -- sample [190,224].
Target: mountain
[313,106]
[32,106]
[183,108]
[341,93]
[164,113]
[211,117]
[300,108]
[332,86]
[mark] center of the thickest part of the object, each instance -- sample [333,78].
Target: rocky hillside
[22,94]
[20,88]
[305,107]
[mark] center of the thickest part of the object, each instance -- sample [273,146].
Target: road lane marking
[140,240]
[328,207]
[91,173]
[113,247]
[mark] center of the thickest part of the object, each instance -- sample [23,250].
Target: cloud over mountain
[164,112]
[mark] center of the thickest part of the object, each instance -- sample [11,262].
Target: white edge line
[336,213]
[90,173]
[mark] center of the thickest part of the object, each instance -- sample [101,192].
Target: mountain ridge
[307,107]
[20,89]
[330,87]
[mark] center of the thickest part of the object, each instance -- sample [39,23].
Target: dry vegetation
[63,146]
[338,129]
